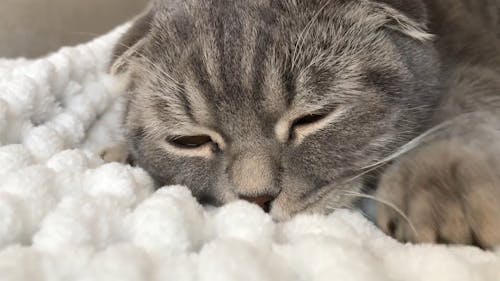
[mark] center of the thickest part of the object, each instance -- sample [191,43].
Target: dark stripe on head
[261,53]
[202,79]
[200,73]
[229,37]
[263,48]
[290,86]
[385,81]
[185,102]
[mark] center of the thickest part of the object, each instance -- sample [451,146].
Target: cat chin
[281,214]
[333,198]
[278,214]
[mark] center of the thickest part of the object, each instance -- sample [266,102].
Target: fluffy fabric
[66,215]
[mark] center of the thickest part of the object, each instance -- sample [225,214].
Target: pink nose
[264,201]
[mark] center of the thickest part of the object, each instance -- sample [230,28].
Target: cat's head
[280,102]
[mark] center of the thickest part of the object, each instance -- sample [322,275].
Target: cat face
[282,103]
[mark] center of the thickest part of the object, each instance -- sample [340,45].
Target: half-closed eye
[191,142]
[298,129]
[307,120]
[304,122]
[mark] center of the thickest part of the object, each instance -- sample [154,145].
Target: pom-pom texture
[67,215]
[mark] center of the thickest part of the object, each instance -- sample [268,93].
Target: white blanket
[65,215]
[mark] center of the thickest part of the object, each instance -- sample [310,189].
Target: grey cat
[296,104]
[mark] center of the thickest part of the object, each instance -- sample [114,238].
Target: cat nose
[264,201]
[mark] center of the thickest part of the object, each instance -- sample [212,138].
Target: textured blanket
[66,215]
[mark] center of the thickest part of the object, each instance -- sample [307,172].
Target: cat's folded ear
[132,41]
[405,16]
[415,9]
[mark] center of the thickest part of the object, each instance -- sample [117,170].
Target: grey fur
[449,186]
[237,69]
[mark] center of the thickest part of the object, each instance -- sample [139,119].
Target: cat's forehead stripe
[239,59]
[224,52]
[229,36]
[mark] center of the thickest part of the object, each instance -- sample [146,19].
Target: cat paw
[444,192]
[117,153]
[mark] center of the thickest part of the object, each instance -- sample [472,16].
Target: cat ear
[132,41]
[408,17]
[415,9]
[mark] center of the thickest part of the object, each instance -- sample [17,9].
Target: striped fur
[245,73]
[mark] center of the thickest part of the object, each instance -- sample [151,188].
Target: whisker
[303,35]
[176,84]
[386,203]
[329,208]
[407,147]
[170,80]
[363,213]
[348,206]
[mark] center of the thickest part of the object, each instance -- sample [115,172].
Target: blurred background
[31,28]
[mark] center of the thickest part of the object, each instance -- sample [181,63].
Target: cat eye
[304,121]
[191,142]
[307,120]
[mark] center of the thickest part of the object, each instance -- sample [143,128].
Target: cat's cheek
[292,198]
[221,188]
